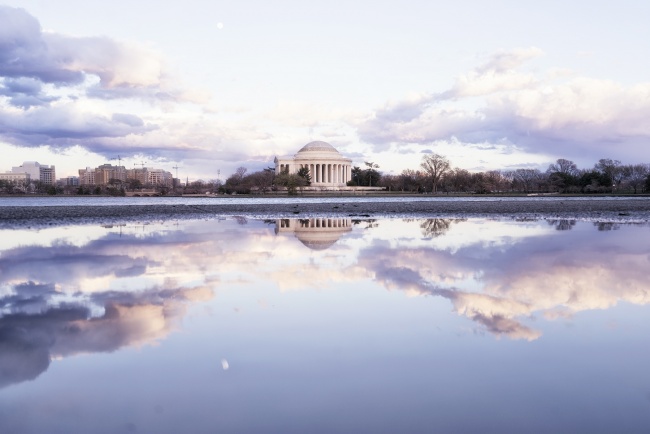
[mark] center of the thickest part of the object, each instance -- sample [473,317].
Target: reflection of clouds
[108,293]
[495,314]
[29,340]
[496,285]
[59,299]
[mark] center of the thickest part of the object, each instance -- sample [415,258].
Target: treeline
[563,176]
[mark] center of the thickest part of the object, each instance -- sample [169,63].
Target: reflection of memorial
[315,233]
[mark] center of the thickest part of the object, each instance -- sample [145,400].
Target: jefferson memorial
[327,168]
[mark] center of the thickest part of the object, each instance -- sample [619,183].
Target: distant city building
[103,175]
[71,181]
[107,172]
[327,168]
[87,176]
[48,175]
[37,172]
[15,177]
[151,176]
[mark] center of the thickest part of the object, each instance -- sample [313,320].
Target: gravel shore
[602,209]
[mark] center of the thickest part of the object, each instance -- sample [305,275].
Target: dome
[318,146]
[318,245]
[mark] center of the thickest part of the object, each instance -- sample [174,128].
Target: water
[326,325]
[216,200]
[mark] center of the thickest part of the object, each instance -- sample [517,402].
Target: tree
[357,176]
[611,168]
[411,180]
[458,180]
[303,172]
[435,166]
[235,182]
[133,184]
[593,181]
[563,175]
[262,180]
[563,166]
[527,178]
[370,171]
[291,181]
[390,182]
[635,175]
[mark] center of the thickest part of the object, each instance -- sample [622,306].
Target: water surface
[326,325]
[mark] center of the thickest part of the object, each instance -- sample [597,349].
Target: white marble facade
[327,168]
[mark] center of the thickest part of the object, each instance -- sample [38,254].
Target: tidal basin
[326,324]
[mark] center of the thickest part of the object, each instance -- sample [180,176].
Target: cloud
[496,75]
[24,92]
[27,51]
[66,124]
[63,91]
[543,113]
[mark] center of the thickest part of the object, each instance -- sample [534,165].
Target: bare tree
[411,180]
[435,166]
[611,168]
[527,178]
[565,167]
[239,173]
[458,180]
[635,175]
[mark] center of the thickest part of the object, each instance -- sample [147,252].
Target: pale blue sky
[214,85]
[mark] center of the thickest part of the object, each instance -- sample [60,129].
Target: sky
[209,86]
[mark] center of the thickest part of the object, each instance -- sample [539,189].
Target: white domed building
[327,168]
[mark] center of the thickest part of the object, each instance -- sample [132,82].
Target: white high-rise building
[37,172]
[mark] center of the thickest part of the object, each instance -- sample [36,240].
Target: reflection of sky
[361,329]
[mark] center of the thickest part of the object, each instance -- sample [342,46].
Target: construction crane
[143,163]
[119,160]
[176,167]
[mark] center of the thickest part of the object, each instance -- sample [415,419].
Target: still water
[326,325]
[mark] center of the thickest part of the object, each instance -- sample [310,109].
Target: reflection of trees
[435,227]
[562,224]
[607,226]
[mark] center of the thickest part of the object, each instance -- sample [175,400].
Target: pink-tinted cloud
[581,118]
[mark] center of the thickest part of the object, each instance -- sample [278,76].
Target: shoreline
[633,210]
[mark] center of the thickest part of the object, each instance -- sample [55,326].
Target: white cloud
[550,113]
